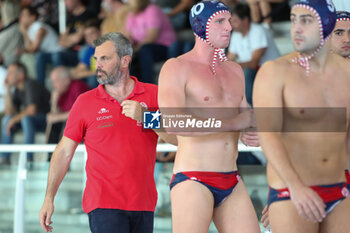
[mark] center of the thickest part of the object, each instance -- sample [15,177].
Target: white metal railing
[18,221]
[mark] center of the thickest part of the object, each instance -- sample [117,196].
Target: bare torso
[203,89]
[318,157]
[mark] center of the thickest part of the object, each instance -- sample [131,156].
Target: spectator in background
[116,13]
[26,104]
[47,11]
[251,45]
[10,36]
[73,37]
[261,10]
[39,39]
[86,68]
[65,92]
[177,11]
[151,33]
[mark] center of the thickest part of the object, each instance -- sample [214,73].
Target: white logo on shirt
[103,110]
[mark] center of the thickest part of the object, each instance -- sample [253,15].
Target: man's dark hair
[95,23]
[242,10]
[32,11]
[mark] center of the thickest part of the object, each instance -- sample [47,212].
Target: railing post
[18,219]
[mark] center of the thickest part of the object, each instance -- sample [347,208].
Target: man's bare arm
[59,164]
[268,93]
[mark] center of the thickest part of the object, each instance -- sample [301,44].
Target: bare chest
[207,90]
[313,97]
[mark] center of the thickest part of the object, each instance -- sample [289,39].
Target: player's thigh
[284,218]
[338,219]
[192,207]
[236,213]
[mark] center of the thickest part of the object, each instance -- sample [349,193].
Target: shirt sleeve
[76,124]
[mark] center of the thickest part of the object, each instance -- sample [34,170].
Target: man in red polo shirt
[120,193]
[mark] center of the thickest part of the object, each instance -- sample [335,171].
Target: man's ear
[125,61]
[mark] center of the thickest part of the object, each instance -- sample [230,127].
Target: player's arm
[348,148]
[268,103]
[59,164]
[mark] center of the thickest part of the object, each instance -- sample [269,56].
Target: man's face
[107,64]
[71,4]
[25,18]
[340,40]
[91,34]
[236,23]
[13,76]
[220,30]
[305,30]
[58,83]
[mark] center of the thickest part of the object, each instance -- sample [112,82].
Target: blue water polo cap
[343,16]
[325,13]
[201,15]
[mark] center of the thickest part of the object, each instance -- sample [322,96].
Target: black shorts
[120,221]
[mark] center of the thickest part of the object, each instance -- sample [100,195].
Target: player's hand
[308,203]
[250,138]
[45,216]
[265,217]
[132,109]
[244,120]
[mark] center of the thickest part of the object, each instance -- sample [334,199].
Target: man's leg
[284,218]
[192,207]
[249,75]
[41,59]
[236,213]
[109,221]
[338,219]
[28,128]
[141,222]
[147,56]
[5,139]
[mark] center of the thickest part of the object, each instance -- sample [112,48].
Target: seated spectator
[177,11]
[251,45]
[39,39]
[86,68]
[116,13]
[72,39]
[10,36]
[261,10]
[26,105]
[65,92]
[151,33]
[47,11]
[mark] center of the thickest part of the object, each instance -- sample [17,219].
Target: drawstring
[217,53]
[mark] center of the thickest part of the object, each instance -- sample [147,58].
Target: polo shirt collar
[138,89]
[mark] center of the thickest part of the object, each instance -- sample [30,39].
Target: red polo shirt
[121,155]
